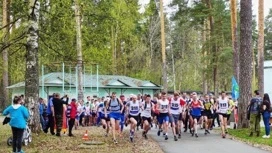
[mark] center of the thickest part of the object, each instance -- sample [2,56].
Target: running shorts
[174,118]
[208,114]
[115,115]
[196,117]
[105,118]
[224,115]
[163,117]
[135,117]
[148,119]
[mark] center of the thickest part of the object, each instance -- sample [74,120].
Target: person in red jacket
[71,115]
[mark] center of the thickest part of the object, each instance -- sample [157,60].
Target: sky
[267,6]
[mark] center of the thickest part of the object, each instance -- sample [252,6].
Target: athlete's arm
[106,107]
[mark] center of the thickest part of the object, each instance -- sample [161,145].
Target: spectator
[19,115]
[71,115]
[254,109]
[58,111]
[42,107]
[49,112]
[265,109]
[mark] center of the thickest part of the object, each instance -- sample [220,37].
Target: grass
[44,143]
[243,135]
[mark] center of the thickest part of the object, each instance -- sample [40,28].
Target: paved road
[212,143]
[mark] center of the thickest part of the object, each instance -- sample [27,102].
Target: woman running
[133,110]
[196,107]
[163,106]
[105,120]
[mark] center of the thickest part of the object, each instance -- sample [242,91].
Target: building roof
[104,81]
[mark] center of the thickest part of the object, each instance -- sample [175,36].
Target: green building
[93,85]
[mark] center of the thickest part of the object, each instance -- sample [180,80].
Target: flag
[235,89]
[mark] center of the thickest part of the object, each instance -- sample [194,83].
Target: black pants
[58,119]
[185,122]
[216,116]
[71,125]
[50,124]
[17,137]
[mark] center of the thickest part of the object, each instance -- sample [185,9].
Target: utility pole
[79,50]
[164,67]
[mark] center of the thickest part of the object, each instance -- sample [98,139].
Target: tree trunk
[261,47]
[32,67]
[233,4]
[164,69]
[5,21]
[245,61]
[205,63]
[79,51]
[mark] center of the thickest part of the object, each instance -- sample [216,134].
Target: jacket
[18,115]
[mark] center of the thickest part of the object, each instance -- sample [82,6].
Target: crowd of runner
[178,112]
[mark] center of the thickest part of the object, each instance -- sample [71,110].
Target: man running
[207,113]
[116,107]
[163,106]
[175,111]
[222,106]
[147,108]
[133,110]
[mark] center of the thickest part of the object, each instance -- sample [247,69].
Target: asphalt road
[211,143]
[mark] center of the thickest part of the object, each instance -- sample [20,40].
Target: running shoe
[115,141]
[143,134]
[166,137]
[179,136]
[193,133]
[175,138]
[196,135]
[159,132]
[223,136]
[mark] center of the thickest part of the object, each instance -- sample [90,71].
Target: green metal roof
[104,81]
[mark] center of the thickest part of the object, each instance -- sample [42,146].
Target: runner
[133,110]
[196,107]
[163,106]
[207,113]
[116,107]
[147,108]
[222,106]
[122,122]
[175,111]
[231,108]
[105,118]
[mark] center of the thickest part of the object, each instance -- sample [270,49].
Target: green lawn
[243,135]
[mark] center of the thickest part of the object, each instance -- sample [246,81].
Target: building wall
[268,78]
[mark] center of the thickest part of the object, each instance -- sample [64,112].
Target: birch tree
[5,78]
[32,66]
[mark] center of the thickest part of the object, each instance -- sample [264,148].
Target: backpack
[68,111]
[118,103]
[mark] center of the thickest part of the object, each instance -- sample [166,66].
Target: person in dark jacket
[18,118]
[265,109]
[49,112]
[58,111]
[71,115]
